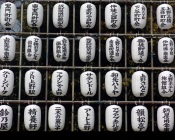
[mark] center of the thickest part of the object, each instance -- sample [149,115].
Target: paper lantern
[60,15]
[86,118]
[113,16]
[33,82]
[87,15]
[166,50]
[113,118]
[61,49]
[164,15]
[87,48]
[56,117]
[139,84]
[35,15]
[8,47]
[166,84]
[113,83]
[139,118]
[88,83]
[139,50]
[8,15]
[6,82]
[33,48]
[60,81]
[6,117]
[165,118]
[113,49]
[32,117]
[138,16]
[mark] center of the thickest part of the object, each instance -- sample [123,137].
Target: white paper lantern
[8,15]
[56,117]
[88,83]
[33,82]
[33,48]
[113,16]
[6,117]
[165,118]
[6,82]
[139,49]
[86,118]
[139,84]
[8,47]
[61,49]
[87,15]
[138,16]
[164,15]
[113,118]
[113,49]
[60,15]
[166,84]
[113,83]
[87,48]
[166,50]
[139,118]
[60,81]
[35,15]
[32,117]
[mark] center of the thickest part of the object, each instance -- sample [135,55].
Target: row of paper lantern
[87,15]
[87,47]
[86,118]
[88,83]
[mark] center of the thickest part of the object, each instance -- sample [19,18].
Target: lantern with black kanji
[165,118]
[166,84]
[113,83]
[33,48]
[60,15]
[56,117]
[35,15]
[166,50]
[139,118]
[60,81]
[6,117]
[113,16]
[33,82]
[139,49]
[113,49]
[61,49]
[32,117]
[138,16]
[8,48]
[86,118]
[87,15]
[164,15]
[6,82]
[113,118]
[139,84]
[87,48]
[88,84]
[8,15]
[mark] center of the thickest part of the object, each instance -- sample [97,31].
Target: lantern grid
[74,36]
